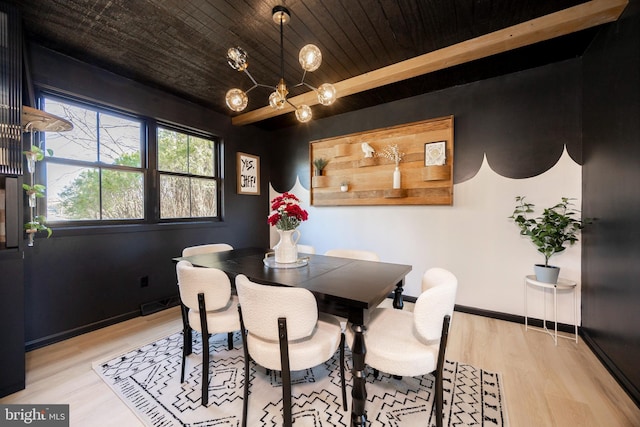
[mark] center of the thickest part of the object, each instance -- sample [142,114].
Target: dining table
[344,287]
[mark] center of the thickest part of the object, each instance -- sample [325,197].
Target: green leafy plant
[320,163]
[551,231]
[36,153]
[37,189]
[38,224]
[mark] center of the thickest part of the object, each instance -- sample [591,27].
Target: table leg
[359,390]
[397,298]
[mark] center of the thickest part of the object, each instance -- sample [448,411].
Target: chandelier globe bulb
[236,99]
[310,57]
[276,100]
[303,113]
[237,58]
[326,94]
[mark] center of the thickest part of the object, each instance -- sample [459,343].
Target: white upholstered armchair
[209,309]
[283,331]
[404,343]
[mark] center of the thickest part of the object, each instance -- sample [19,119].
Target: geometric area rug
[148,381]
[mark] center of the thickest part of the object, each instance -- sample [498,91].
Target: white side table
[562,285]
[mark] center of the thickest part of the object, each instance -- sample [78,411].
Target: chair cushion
[394,346]
[304,353]
[218,321]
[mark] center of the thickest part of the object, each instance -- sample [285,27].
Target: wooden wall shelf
[436,173]
[371,178]
[318,181]
[395,193]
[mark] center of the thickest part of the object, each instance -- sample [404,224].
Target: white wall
[473,238]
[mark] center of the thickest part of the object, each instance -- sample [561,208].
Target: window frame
[217,170]
[148,167]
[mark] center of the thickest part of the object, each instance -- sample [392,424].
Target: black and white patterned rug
[148,380]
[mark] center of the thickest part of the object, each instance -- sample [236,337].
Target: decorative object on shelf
[34,120]
[371,177]
[550,232]
[319,164]
[435,153]
[392,153]
[344,186]
[248,168]
[286,215]
[368,150]
[310,59]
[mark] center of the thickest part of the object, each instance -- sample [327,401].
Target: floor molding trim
[536,323]
[61,336]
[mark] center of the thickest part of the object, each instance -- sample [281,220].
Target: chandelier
[310,59]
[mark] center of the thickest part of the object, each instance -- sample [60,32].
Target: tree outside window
[188,187]
[97,170]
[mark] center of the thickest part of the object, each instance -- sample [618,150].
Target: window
[188,188]
[95,171]
[99,171]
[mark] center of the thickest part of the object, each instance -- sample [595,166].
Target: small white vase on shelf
[397,183]
[286,251]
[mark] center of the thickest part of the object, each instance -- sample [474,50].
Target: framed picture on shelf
[248,169]
[435,153]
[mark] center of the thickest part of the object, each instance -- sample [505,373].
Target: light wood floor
[544,385]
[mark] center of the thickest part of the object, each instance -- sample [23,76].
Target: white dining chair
[306,249]
[353,254]
[403,343]
[283,331]
[204,249]
[186,329]
[211,309]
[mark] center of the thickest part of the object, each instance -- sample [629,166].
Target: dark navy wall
[81,279]
[611,173]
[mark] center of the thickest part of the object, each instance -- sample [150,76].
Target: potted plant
[34,191]
[319,164]
[550,232]
[344,186]
[33,155]
[37,224]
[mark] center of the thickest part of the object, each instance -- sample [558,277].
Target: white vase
[287,250]
[31,161]
[397,178]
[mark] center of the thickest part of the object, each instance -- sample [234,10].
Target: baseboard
[61,336]
[562,327]
[616,373]
[159,305]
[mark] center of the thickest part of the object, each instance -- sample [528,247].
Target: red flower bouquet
[286,213]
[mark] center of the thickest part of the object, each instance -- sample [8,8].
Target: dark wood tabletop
[342,286]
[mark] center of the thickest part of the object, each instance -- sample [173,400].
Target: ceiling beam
[567,21]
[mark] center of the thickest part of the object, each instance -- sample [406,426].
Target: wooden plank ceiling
[179,46]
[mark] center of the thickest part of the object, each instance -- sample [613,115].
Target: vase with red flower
[286,215]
